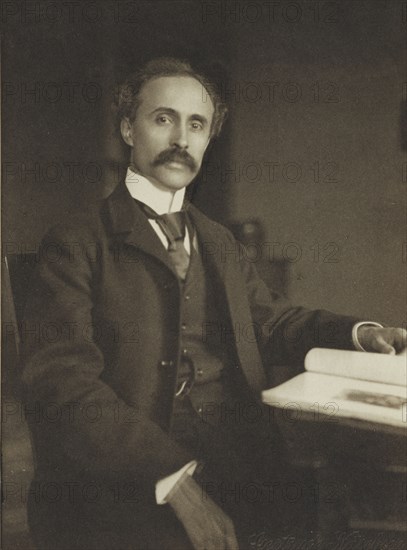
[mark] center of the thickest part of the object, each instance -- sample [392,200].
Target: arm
[65,367]
[288,332]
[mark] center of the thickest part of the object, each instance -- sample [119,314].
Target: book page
[376,367]
[332,398]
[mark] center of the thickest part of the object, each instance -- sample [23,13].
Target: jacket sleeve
[285,333]
[84,420]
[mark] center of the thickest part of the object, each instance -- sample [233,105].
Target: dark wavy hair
[128,97]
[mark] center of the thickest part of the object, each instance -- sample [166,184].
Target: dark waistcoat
[205,358]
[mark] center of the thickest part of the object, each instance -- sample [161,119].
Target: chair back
[17,270]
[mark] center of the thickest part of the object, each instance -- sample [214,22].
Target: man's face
[171,131]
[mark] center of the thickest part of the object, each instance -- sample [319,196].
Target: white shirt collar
[160,200]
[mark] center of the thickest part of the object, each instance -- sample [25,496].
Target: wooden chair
[19,458]
[17,270]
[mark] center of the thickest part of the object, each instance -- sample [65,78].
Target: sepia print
[196,195]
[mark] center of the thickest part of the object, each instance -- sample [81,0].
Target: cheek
[145,150]
[155,142]
[199,148]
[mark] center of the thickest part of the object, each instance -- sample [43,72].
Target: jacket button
[199,372]
[167,363]
[183,326]
[187,296]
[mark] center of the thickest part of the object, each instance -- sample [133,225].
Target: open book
[347,385]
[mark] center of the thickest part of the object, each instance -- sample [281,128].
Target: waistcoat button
[167,363]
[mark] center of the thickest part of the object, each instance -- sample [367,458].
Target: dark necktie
[173,226]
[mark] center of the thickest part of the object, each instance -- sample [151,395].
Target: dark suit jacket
[102,339]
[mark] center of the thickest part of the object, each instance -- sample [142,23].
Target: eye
[196,125]
[163,120]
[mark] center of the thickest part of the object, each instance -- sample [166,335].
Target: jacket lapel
[130,225]
[229,285]
[208,239]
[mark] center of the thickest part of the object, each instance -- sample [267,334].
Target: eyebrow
[201,118]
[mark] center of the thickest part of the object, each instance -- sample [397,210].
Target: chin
[174,181]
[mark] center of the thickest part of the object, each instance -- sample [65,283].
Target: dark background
[314,148]
[315,87]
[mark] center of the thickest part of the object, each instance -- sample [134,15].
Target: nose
[179,137]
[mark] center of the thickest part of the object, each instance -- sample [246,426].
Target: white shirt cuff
[355,338]
[164,485]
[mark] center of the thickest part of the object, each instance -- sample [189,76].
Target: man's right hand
[206,524]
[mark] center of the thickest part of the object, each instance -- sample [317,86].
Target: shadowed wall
[317,149]
[316,157]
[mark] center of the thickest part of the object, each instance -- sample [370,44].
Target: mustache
[175,155]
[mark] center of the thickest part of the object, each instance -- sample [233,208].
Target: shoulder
[81,223]
[74,244]
[215,228]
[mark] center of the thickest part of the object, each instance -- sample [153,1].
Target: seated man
[144,337]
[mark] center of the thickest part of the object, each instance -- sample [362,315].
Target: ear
[125,129]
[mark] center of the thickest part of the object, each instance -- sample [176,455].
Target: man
[149,358]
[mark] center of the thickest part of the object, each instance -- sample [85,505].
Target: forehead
[183,94]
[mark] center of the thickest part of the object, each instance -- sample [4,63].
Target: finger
[231,539]
[382,346]
[400,339]
[230,534]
